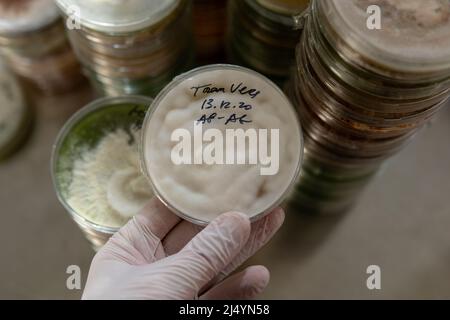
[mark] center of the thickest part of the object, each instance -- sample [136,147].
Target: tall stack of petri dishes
[362,92]
[263,35]
[33,43]
[130,47]
[209,18]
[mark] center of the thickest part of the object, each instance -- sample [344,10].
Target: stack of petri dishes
[362,93]
[263,35]
[209,19]
[95,166]
[33,43]
[130,47]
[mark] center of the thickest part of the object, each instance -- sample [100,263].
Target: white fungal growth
[107,186]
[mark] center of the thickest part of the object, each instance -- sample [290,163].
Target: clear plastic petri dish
[95,166]
[34,44]
[213,107]
[126,44]
[410,96]
[18,17]
[117,16]
[413,38]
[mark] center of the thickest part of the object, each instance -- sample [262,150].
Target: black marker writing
[207,89]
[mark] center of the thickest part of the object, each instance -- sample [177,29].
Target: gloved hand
[158,256]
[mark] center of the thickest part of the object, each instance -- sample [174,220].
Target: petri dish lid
[118,15]
[26,15]
[200,192]
[414,34]
[286,7]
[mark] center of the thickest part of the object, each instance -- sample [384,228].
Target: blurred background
[400,222]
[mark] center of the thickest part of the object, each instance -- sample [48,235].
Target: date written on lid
[212,104]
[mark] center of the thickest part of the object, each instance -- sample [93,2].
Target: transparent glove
[158,256]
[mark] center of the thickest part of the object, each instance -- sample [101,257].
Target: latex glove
[158,256]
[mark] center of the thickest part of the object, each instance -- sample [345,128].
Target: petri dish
[95,165]
[26,16]
[131,47]
[202,179]
[414,36]
[33,42]
[117,16]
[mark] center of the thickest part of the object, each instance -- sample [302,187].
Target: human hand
[158,256]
